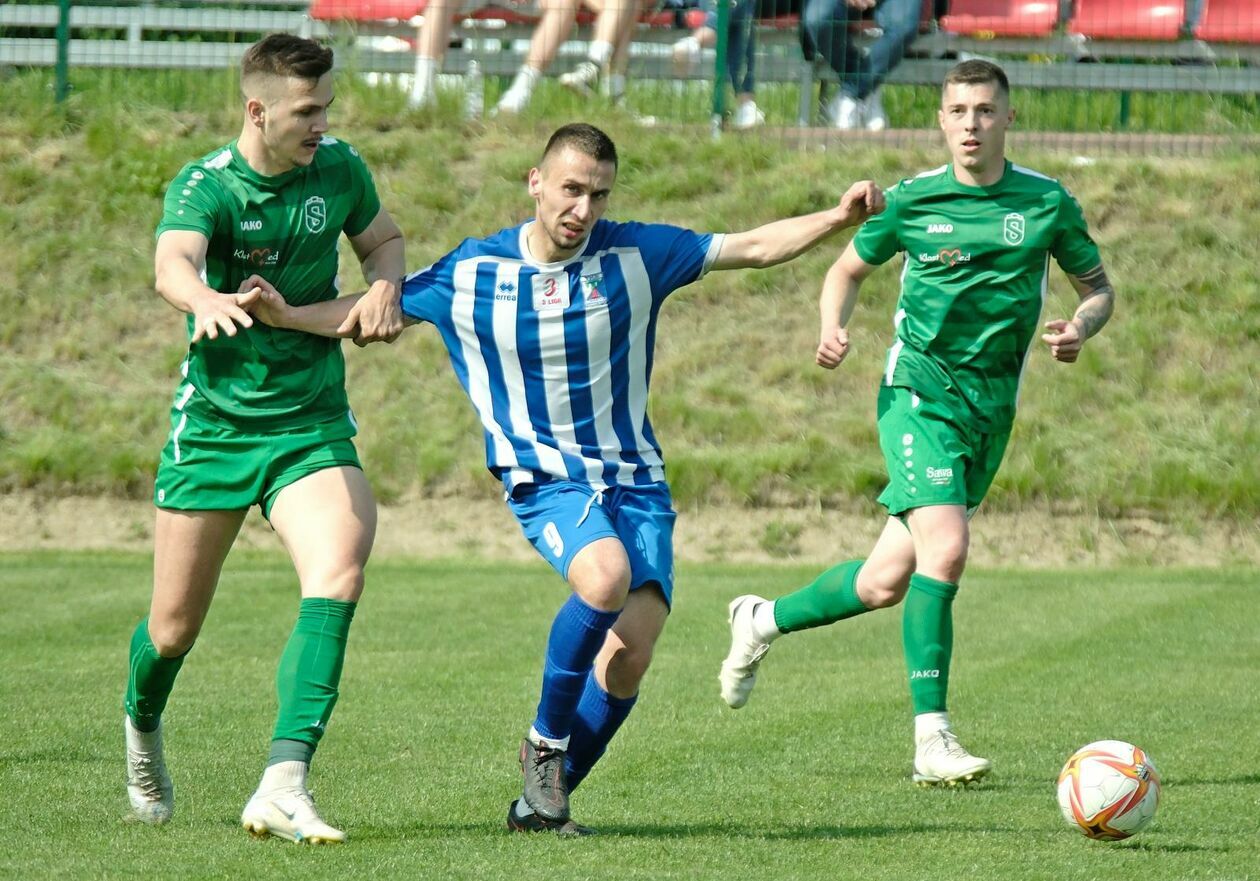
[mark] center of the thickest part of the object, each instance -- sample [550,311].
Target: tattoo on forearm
[1097,300]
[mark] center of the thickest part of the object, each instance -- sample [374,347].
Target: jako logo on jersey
[315,213]
[1013,229]
[938,228]
[250,225]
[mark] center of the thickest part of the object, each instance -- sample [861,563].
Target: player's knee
[945,558]
[626,669]
[172,638]
[344,583]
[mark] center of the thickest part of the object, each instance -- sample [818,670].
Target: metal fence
[1147,75]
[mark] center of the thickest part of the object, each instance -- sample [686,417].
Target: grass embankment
[1160,415]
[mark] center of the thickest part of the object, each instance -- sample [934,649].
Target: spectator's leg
[435,35]
[827,24]
[613,23]
[550,33]
[899,21]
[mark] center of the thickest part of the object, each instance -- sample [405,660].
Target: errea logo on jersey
[939,228]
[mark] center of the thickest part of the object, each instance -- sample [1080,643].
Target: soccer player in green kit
[261,415]
[976,236]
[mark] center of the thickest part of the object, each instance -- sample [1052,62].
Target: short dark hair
[584,138]
[288,56]
[975,72]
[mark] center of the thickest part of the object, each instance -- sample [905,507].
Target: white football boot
[739,670]
[583,80]
[288,813]
[940,760]
[148,784]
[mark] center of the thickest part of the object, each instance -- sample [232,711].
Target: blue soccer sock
[599,715]
[577,634]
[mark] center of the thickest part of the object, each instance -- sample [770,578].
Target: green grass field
[810,781]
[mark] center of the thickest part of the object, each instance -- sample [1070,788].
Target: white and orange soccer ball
[1109,790]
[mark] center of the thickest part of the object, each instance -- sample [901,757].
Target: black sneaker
[546,790]
[535,823]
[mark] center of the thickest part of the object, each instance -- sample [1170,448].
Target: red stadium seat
[1230,21]
[1129,19]
[1002,18]
[365,10]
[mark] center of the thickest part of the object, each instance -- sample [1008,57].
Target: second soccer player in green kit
[976,236]
[261,417]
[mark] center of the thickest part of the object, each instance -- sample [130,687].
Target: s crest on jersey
[1013,229]
[315,213]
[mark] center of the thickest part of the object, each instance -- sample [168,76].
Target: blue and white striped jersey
[556,357]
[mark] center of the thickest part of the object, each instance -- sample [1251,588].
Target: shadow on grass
[680,831]
[1238,780]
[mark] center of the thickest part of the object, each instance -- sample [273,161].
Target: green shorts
[208,467]
[933,458]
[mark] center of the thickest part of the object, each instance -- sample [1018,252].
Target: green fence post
[719,66]
[63,50]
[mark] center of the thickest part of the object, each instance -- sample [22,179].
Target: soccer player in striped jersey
[550,327]
[976,236]
[261,417]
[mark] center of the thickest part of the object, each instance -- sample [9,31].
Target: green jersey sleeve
[877,241]
[369,204]
[1073,249]
[192,202]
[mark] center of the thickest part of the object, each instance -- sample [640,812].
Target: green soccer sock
[150,679]
[830,597]
[307,678]
[927,635]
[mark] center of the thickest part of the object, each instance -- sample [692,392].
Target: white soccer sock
[600,53]
[284,775]
[616,86]
[927,724]
[763,622]
[555,743]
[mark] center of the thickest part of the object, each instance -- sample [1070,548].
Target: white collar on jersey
[528,256]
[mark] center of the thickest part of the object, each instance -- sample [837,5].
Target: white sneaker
[876,119]
[148,784]
[583,79]
[940,760]
[288,813]
[747,115]
[846,114]
[739,670]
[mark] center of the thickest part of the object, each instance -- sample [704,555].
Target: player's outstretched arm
[178,263]
[377,316]
[835,306]
[784,240]
[1098,299]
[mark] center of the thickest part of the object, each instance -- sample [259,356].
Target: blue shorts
[562,517]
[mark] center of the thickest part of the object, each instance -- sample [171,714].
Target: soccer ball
[1109,790]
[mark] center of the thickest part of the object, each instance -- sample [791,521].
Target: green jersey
[284,228]
[974,278]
